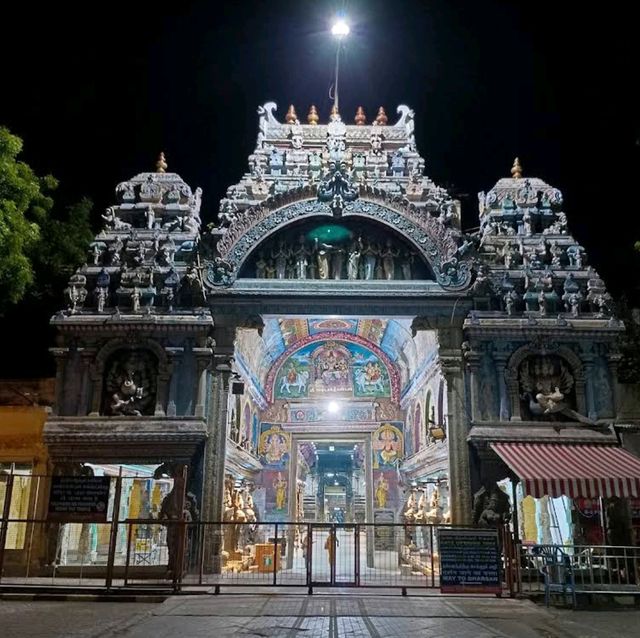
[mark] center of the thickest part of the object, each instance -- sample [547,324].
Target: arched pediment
[431,238]
[389,380]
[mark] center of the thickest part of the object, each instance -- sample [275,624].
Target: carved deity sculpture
[370,253]
[406,265]
[301,255]
[388,256]
[382,492]
[491,506]
[130,384]
[353,259]
[280,255]
[261,266]
[280,486]
[323,253]
[101,297]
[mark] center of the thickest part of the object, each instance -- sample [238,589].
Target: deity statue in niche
[547,389]
[301,256]
[388,256]
[491,507]
[406,264]
[130,384]
[280,255]
[280,486]
[370,254]
[353,259]
[382,491]
[323,256]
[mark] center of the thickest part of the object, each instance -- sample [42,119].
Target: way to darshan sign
[469,561]
[79,498]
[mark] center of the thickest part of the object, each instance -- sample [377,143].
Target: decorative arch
[432,239]
[542,348]
[392,371]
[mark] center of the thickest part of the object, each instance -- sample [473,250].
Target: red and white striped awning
[582,470]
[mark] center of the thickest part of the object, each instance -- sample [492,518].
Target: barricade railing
[595,569]
[184,555]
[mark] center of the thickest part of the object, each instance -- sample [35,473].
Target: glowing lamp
[340,29]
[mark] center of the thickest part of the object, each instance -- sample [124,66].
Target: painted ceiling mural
[332,367]
[261,358]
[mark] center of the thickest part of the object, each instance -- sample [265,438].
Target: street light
[339,30]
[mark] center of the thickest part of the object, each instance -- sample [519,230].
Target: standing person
[330,545]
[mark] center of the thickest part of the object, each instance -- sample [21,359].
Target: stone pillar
[215,451]
[457,426]
[203,359]
[60,355]
[589,389]
[175,357]
[86,386]
[501,363]
[473,364]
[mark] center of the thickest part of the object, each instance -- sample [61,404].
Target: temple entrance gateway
[337,303]
[336,419]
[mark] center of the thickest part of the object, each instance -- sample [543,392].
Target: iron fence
[185,555]
[589,569]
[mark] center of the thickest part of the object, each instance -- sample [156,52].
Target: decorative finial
[360,118]
[161,164]
[381,118]
[516,169]
[335,114]
[312,116]
[291,117]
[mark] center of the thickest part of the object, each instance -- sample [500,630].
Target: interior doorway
[332,478]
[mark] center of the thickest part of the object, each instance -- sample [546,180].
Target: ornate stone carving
[130,383]
[336,188]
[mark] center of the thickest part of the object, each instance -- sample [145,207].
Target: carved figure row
[361,259]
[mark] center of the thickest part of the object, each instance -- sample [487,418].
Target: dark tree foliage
[40,247]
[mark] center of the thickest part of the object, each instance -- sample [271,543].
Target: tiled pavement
[350,614]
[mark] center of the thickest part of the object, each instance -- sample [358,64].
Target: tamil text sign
[79,498]
[469,561]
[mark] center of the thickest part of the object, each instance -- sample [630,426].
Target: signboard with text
[79,498]
[469,561]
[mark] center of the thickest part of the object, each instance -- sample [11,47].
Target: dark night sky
[97,92]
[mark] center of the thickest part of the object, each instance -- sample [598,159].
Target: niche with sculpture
[547,389]
[130,383]
[348,250]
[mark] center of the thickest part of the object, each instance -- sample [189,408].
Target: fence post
[6,509]
[126,565]
[114,530]
[276,557]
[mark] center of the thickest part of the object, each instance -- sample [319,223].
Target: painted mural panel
[274,449]
[388,445]
[324,324]
[274,446]
[330,367]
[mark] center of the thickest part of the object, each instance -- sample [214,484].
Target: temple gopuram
[335,348]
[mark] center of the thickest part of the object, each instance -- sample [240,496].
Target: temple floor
[350,613]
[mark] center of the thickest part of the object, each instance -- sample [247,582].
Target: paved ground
[352,615]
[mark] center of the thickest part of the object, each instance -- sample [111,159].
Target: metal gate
[334,559]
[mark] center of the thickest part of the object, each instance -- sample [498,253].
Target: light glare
[340,29]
